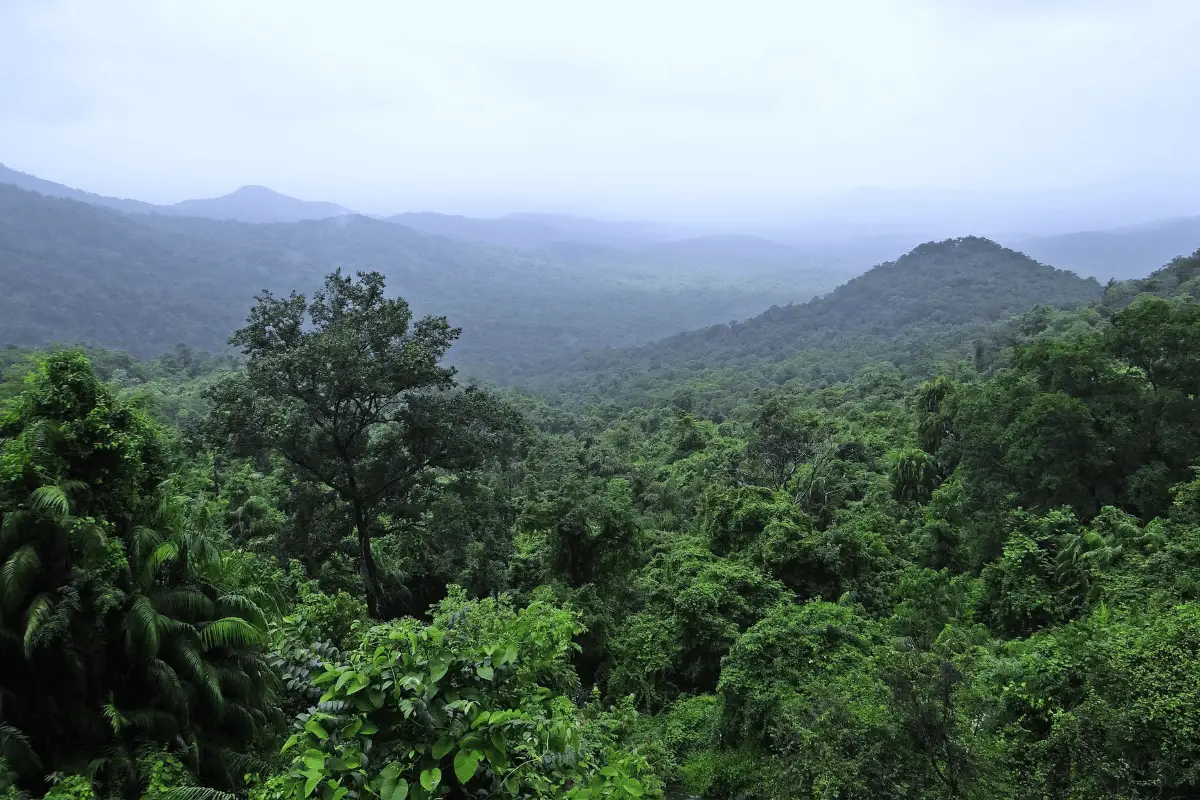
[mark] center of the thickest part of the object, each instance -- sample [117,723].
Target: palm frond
[162,554]
[50,500]
[239,605]
[16,749]
[88,537]
[18,573]
[203,553]
[40,610]
[190,604]
[143,539]
[13,529]
[115,718]
[156,723]
[231,632]
[197,793]
[143,626]
[168,682]
[196,668]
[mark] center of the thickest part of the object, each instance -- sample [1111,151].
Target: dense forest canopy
[935,534]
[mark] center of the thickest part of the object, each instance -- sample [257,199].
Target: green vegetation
[961,560]
[145,282]
[926,306]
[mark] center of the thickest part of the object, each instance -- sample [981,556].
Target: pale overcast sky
[675,110]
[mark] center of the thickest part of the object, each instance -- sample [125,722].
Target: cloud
[670,109]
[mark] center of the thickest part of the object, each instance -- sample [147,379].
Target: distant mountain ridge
[247,204]
[76,272]
[32,183]
[256,204]
[1121,253]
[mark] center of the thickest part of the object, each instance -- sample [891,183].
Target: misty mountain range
[1119,252]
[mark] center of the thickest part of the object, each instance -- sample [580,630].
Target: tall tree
[352,393]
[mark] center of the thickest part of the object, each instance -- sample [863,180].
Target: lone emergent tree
[351,392]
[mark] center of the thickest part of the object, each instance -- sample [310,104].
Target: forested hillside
[74,272]
[330,570]
[935,299]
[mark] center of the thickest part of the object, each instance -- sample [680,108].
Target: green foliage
[468,702]
[377,423]
[119,624]
[71,787]
[144,282]
[934,578]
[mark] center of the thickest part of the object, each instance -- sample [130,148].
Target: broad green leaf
[430,778]
[314,727]
[484,671]
[442,746]
[465,764]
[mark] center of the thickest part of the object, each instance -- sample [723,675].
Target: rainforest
[935,534]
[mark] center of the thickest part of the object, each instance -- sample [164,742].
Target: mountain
[72,271]
[32,183]
[939,293]
[247,204]
[256,204]
[1120,253]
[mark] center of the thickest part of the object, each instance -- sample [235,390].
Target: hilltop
[936,295]
[247,204]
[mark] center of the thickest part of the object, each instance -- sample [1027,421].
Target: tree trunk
[366,561]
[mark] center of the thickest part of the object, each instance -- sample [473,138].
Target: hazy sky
[676,110]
